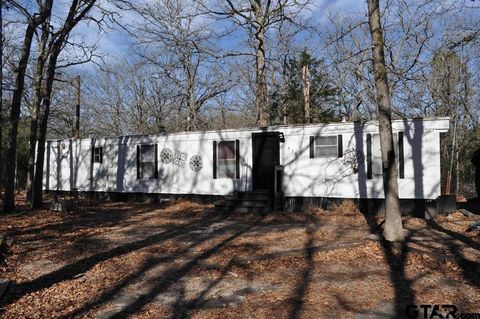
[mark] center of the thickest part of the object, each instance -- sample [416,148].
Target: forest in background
[195,65]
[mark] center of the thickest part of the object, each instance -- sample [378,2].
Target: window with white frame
[146,161]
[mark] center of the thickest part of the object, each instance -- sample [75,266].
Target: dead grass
[182,259]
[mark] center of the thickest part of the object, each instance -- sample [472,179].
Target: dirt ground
[182,259]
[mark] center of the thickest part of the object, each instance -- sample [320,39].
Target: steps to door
[245,202]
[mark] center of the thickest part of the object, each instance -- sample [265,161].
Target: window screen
[374,155]
[146,161]
[326,146]
[226,160]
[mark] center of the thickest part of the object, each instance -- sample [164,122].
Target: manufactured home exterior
[335,160]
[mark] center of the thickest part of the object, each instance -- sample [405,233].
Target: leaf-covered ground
[182,259]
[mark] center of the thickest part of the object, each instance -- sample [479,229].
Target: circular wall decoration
[196,163]
[166,155]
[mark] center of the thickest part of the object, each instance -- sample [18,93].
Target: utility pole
[77,110]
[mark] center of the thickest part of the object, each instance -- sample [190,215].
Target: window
[326,146]
[226,159]
[377,169]
[374,155]
[400,156]
[147,165]
[97,154]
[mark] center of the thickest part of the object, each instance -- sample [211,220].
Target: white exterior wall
[68,163]
[333,177]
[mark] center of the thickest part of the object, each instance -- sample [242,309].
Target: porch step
[256,195]
[255,202]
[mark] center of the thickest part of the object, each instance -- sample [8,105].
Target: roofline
[268,128]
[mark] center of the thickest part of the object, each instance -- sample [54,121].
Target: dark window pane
[226,150]
[325,140]
[226,168]
[148,153]
[97,154]
[147,170]
[326,151]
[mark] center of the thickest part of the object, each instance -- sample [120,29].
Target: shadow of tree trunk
[470,269]
[395,257]
[297,300]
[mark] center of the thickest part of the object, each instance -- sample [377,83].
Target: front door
[266,155]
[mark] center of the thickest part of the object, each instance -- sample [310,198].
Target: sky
[115,43]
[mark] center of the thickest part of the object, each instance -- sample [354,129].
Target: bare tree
[33,21]
[77,12]
[393,220]
[176,38]
[257,16]
[37,86]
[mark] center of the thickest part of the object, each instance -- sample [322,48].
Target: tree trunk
[192,103]
[37,87]
[1,96]
[37,198]
[306,92]
[37,201]
[261,78]
[77,108]
[55,49]
[393,221]
[9,205]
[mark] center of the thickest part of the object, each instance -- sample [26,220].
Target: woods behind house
[176,65]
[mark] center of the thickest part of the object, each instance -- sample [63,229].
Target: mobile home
[302,162]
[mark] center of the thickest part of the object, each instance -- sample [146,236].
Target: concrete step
[256,202]
[243,203]
[230,197]
[254,210]
[257,195]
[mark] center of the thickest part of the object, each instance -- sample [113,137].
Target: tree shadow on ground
[305,278]
[206,238]
[470,269]
[395,257]
[83,265]
[192,232]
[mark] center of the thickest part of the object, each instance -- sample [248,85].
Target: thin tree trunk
[306,92]
[37,86]
[9,205]
[1,96]
[285,101]
[393,221]
[192,103]
[261,78]
[77,108]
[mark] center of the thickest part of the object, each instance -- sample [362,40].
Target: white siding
[68,162]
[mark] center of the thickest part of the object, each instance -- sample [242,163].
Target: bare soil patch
[184,260]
